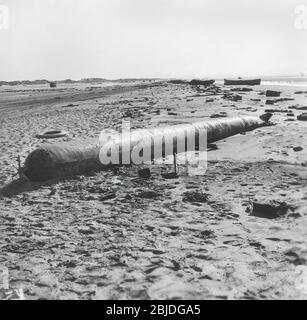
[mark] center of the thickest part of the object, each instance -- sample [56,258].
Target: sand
[113,235]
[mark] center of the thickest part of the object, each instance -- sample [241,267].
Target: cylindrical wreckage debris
[55,160]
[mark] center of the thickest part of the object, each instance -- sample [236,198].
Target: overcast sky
[59,39]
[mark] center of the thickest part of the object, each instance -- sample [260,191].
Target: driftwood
[69,158]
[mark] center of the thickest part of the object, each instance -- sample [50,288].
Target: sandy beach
[194,237]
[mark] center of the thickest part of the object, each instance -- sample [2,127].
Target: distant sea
[285,81]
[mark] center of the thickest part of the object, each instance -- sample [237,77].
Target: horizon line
[302,74]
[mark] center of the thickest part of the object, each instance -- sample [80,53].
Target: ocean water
[291,81]
[286,81]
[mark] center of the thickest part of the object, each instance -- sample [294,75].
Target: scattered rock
[144,173]
[196,82]
[195,196]
[300,92]
[52,192]
[270,209]
[278,100]
[212,146]
[231,97]
[270,102]
[241,89]
[207,234]
[272,93]
[302,117]
[284,99]
[296,256]
[298,107]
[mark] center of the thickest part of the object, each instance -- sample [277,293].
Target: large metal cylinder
[52,160]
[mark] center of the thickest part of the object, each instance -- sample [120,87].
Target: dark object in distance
[283,99]
[178,81]
[206,83]
[300,92]
[239,82]
[302,117]
[52,84]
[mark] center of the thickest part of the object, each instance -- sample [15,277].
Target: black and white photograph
[153,150]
